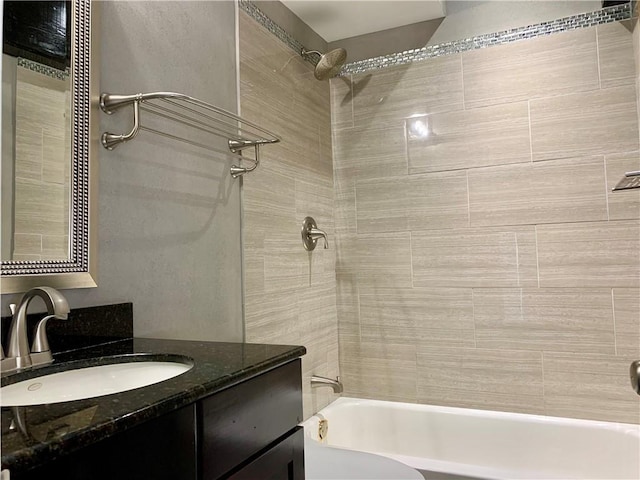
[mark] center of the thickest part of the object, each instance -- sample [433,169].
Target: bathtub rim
[629,428]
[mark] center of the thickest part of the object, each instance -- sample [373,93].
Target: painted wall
[482,260]
[169,214]
[290,294]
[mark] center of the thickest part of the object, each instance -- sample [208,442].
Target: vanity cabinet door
[284,461]
[238,423]
[161,449]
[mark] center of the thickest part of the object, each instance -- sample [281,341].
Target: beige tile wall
[488,264]
[42,167]
[290,294]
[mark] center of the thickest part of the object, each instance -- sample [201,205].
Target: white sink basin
[88,382]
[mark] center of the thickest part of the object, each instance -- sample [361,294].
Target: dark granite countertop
[37,434]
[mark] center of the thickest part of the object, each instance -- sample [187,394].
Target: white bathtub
[484,444]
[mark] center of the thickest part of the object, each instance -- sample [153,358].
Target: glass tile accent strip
[614,13]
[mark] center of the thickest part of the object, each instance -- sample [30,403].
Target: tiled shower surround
[482,259]
[484,265]
[290,294]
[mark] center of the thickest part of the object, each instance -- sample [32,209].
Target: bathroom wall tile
[314,198]
[544,66]
[437,201]
[636,45]
[488,379]
[589,123]
[416,202]
[345,203]
[27,244]
[27,257]
[596,254]
[623,204]
[271,318]
[478,137]
[370,153]
[299,150]
[615,48]
[381,205]
[348,307]
[562,320]
[589,386]
[347,261]
[28,145]
[442,316]
[541,192]
[286,263]
[55,163]
[43,208]
[382,371]
[626,307]
[341,102]
[290,294]
[269,200]
[496,257]
[317,316]
[325,150]
[384,260]
[55,247]
[392,94]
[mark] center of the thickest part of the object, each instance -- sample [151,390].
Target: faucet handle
[40,340]
[311,233]
[12,307]
[40,349]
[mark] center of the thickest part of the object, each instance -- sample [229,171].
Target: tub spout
[336,384]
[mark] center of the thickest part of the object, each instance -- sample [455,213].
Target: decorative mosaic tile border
[43,69]
[254,12]
[615,13]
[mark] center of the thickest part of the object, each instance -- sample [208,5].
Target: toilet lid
[328,463]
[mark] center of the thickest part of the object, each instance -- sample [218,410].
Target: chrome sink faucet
[19,356]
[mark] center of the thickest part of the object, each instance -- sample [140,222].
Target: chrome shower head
[330,63]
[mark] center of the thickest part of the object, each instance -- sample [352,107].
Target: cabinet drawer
[284,461]
[239,422]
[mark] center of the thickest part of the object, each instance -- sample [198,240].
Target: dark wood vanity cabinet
[241,424]
[245,432]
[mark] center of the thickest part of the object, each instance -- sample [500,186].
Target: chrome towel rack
[194,113]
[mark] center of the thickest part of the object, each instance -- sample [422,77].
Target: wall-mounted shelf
[199,116]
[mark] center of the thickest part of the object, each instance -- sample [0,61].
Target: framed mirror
[49,141]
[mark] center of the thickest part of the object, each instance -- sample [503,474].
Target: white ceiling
[338,19]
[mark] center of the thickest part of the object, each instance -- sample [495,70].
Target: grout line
[598,58]
[535,230]
[530,135]
[606,188]
[615,333]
